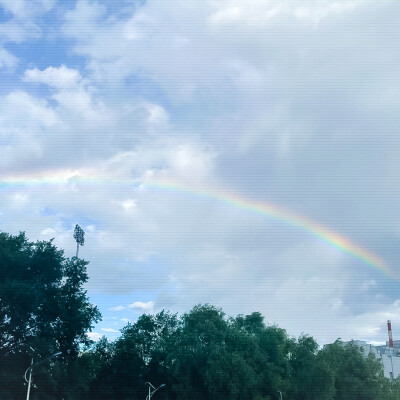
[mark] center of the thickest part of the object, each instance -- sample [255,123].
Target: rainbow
[262,208]
[284,215]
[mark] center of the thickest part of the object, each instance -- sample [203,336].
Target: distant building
[386,349]
[390,357]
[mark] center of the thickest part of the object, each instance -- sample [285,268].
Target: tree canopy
[206,355]
[202,354]
[43,307]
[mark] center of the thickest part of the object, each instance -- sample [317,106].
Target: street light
[280,394]
[30,371]
[79,236]
[148,397]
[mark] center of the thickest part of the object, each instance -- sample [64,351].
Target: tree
[235,358]
[356,377]
[201,337]
[310,377]
[204,355]
[42,307]
[141,354]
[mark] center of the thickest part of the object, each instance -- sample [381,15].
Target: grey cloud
[292,106]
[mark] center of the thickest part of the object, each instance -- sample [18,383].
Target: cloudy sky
[243,154]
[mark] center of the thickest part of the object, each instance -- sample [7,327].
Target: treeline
[202,354]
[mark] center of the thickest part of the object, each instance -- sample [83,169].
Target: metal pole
[30,371]
[151,393]
[280,394]
[30,380]
[77,249]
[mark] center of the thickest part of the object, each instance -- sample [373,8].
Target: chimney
[389,325]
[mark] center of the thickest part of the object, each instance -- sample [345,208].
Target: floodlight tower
[79,236]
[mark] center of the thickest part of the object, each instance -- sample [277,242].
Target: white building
[390,357]
[391,365]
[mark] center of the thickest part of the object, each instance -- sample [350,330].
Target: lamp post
[280,394]
[30,379]
[148,397]
[79,236]
[30,368]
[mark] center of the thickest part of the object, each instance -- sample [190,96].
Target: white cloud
[61,78]
[94,336]
[178,103]
[157,114]
[19,200]
[73,96]
[22,24]
[23,138]
[128,204]
[117,308]
[37,113]
[14,31]
[85,13]
[147,307]
[7,60]
[109,330]
[257,12]
[48,232]
[22,9]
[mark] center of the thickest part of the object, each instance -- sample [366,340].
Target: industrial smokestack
[389,324]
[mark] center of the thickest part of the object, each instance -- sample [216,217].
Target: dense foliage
[202,354]
[43,310]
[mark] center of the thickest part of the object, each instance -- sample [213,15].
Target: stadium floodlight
[79,236]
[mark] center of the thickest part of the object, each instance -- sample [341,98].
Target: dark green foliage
[200,355]
[355,377]
[204,355]
[42,306]
[310,378]
[141,354]
[200,343]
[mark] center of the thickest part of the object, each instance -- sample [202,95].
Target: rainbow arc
[262,208]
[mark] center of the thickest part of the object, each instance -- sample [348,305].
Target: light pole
[148,397]
[30,379]
[280,394]
[30,368]
[79,236]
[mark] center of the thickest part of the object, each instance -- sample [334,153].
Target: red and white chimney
[389,324]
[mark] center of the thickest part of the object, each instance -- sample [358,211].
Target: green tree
[235,358]
[311,379]
[141,354]
[265,350]
[356,377]
[392,389]
[200,338]
[42,306]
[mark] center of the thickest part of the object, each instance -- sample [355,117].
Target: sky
[241,154]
